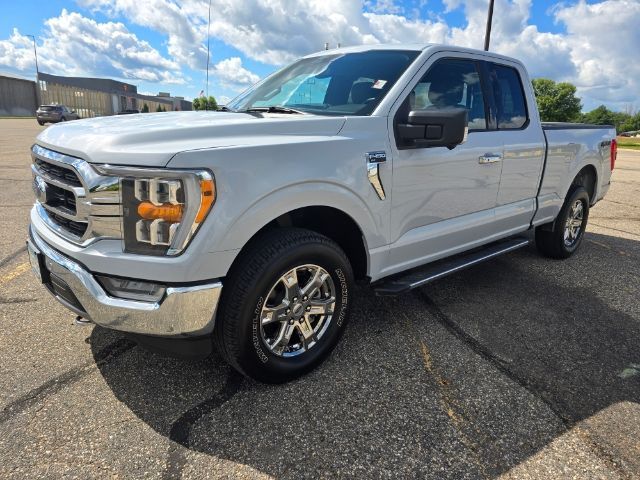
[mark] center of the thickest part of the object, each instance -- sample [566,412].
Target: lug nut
[290,322]
[308,309]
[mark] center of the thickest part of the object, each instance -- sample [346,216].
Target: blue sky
[159,45]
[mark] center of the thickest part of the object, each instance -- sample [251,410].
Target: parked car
[246,229]
[128,112]
[55,114]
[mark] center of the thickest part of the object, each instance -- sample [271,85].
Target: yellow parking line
[16,272]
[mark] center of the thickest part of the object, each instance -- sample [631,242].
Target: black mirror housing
[445,127]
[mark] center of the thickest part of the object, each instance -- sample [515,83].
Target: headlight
[162,209]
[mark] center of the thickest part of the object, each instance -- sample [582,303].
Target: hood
[152,139]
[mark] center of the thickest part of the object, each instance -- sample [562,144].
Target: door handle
[489,158]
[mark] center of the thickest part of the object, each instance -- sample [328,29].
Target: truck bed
[573,126]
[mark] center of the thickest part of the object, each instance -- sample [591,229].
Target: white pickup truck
[245,229]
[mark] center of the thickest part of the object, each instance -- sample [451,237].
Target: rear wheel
[40,122]
[284,306]
[562,238]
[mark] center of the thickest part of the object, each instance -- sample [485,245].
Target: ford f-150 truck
[245,229]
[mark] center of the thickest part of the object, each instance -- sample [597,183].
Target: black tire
[550,238]
[238,336]
[63,119]
[40,122]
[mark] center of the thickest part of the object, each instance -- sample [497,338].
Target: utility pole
[35,52]
[487,36]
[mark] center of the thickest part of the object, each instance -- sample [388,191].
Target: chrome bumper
[184,311]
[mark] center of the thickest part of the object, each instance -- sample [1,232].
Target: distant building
[89,97]
[94,97]
[18,96]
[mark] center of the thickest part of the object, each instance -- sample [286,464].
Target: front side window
[333,84]
[509,97]
[450,83]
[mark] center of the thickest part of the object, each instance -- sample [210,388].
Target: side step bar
[420,276]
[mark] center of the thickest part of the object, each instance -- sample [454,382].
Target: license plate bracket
[36,259]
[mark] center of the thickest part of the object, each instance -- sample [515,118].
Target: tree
[201,103]
[159,108]
[623,121]
[557,102]
[145,108]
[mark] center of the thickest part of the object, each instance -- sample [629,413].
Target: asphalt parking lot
[522,367]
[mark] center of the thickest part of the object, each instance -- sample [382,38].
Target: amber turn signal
[207,197]
[166,211]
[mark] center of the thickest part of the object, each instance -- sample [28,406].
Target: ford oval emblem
[40,189]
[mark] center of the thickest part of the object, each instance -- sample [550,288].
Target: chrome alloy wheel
[573,226]
[298,310]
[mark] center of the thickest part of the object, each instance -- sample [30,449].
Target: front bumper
[184,311]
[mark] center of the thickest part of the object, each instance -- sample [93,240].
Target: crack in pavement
[181,428]
[9,258]
[492,358]
[104,356]
[501,365]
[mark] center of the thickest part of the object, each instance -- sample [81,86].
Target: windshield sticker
[379,84]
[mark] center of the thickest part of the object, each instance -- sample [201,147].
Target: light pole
[487,36]
[35,52]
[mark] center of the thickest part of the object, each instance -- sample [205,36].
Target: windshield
[340,84]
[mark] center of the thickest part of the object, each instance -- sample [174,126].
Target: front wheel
[285,305]
[563,237]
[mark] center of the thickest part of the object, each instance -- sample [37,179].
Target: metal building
[94,97]
[18,96]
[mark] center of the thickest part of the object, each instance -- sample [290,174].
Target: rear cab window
[508,94]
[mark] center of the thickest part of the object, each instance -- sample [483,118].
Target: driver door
[443,200]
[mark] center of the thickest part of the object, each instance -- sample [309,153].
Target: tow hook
[81,322]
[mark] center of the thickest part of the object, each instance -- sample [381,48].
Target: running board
[420,276]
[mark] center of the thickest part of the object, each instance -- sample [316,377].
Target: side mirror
[73,111]
[445,127]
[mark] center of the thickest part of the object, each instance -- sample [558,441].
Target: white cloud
[233,75]
[184,24]
[76,45]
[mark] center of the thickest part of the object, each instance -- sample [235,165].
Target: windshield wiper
[226,109]
[273,109]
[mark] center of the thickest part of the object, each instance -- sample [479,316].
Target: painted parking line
[15,273]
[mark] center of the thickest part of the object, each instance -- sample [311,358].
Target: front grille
[73,198]
[57,172]
[61,199]
[75,228]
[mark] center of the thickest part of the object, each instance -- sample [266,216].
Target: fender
[303,194]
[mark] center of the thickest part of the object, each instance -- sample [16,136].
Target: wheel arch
[326,220]
[587,177]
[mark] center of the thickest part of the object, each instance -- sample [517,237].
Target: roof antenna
[206,100]
[487,35]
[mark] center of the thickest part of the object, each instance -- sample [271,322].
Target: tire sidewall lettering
[255,332]
[344,294]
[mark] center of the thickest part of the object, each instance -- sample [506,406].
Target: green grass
[629,142]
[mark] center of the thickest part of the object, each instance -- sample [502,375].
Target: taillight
[614,153]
